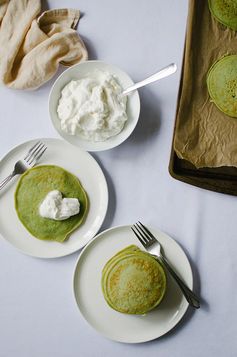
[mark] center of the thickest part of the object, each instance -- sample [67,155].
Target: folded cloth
[31,48]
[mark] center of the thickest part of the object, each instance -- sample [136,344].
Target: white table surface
[38,315]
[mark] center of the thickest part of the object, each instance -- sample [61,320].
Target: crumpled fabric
[32,47]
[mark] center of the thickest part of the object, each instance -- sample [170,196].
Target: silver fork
[31,158]
[151,244]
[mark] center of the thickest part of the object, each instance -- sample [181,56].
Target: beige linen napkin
[31,49]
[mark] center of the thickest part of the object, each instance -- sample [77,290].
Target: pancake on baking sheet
[32,188]
[222,84]
[133,281]
[224,11]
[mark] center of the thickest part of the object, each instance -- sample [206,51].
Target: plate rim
[15,147]
[65,135]
[185,308]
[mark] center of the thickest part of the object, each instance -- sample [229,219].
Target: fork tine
[36,153]
[146,230]
[30,154]
[31,149]
[137,235]
[41,153]
[142,233]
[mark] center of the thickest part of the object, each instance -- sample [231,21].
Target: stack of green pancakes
[31,190]
[133,281]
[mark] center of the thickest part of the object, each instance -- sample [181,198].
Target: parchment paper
[203,134]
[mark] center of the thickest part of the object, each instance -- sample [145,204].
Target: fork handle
[6,180]
[191,298]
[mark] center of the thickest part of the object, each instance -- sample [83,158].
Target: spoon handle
[164,72]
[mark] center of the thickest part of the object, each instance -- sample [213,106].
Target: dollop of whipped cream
[54,206]
[93,108]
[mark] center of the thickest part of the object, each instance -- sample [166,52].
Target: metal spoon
[164,72]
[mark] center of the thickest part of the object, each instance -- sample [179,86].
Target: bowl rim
[107,144]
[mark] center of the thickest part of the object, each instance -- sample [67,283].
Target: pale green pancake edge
[221,17]
[223,101]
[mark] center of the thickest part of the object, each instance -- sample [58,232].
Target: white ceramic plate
[115,325]
[82,70]
[76,161]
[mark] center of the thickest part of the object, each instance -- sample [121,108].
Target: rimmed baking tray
[220,179]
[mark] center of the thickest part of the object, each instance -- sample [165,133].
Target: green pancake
[222,84]
[224,11]
[133,281]
[32,189]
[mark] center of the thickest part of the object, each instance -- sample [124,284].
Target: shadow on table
[44,5]
[191,311]
[150,117]
[112,197]
[92,55]
[147,128]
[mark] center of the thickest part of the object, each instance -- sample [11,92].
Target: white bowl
[82,70]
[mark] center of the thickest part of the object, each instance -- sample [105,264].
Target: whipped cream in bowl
[87,108]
